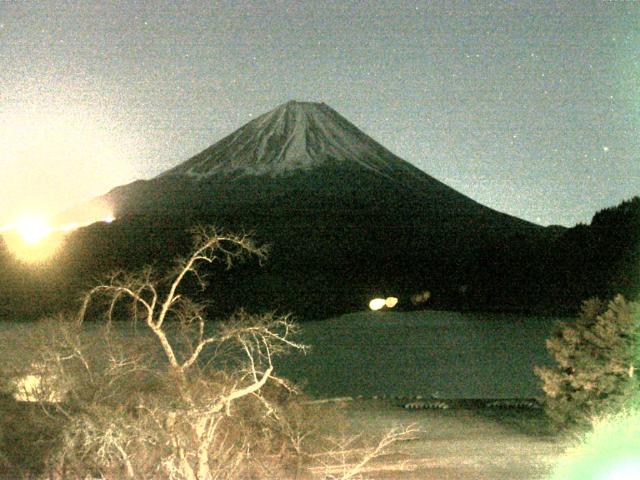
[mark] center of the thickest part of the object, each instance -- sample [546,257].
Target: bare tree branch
[181,422]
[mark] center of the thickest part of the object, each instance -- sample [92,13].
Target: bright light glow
[33,229]
[625,471]
[377,303]
[33,240]
[32,245]
[610,451]
[391,302]
[28,388]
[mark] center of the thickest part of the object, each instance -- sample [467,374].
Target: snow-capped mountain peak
[294,136]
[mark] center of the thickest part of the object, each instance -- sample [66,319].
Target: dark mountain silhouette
[346,220]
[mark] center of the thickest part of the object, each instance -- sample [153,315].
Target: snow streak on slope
[294,136]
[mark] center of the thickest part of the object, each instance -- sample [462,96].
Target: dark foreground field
[432,354]
[457,444]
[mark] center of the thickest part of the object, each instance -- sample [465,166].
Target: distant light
[421,297]
[377,303]
[391,302]
[33,240]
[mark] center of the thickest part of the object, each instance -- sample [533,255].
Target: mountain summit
[293,136]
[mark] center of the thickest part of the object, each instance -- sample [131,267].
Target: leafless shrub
[349,459]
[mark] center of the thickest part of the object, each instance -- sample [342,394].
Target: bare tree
[210,369]
[145,291]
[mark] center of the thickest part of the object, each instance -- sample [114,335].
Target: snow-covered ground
[429,353]
[455,444]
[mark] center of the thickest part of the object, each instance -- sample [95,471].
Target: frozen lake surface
[444,354]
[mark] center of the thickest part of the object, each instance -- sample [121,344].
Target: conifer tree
[596,361]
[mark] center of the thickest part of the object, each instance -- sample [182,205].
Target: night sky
[531,109]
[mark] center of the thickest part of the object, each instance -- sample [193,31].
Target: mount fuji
[346,219]
[307,149]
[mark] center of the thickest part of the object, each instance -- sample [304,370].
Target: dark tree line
[319,272]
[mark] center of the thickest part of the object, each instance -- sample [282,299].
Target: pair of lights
[379,303]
